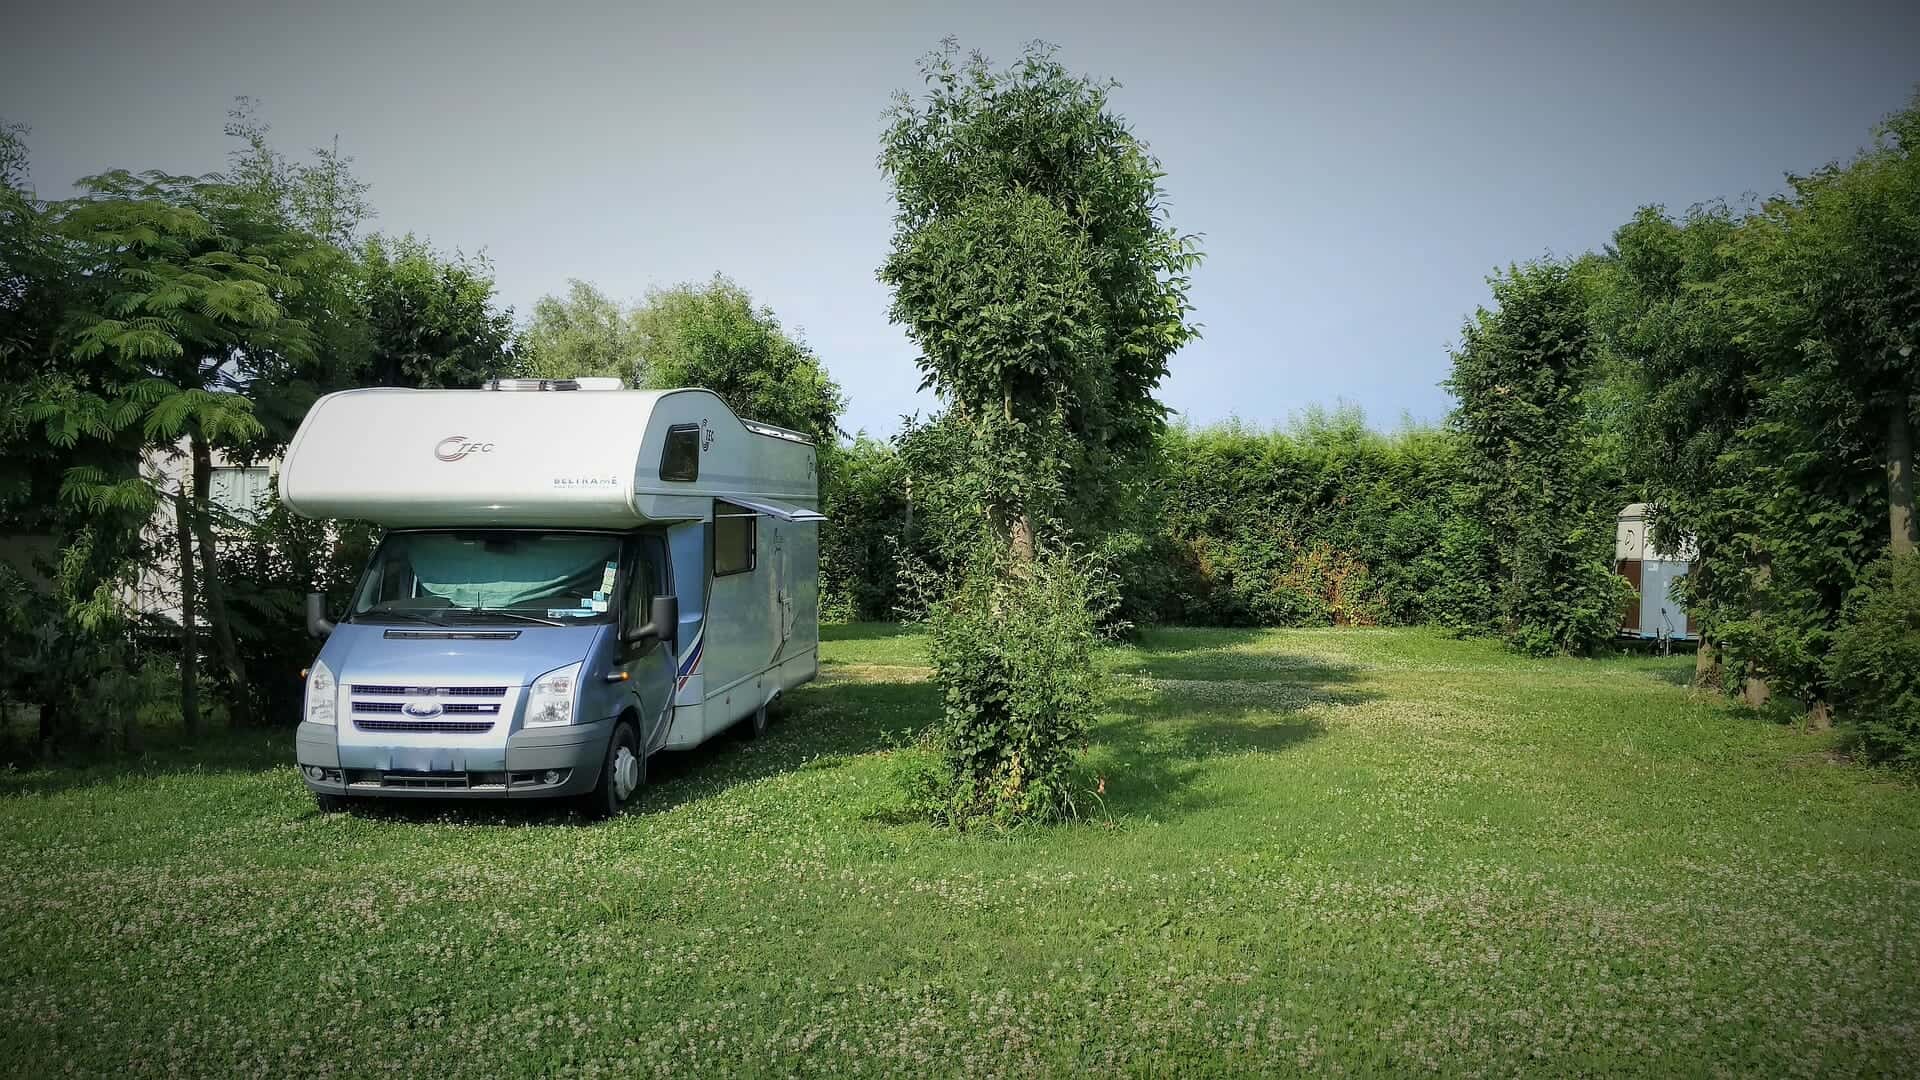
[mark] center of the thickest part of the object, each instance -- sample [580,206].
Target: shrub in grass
[1875,663]
[1012,652]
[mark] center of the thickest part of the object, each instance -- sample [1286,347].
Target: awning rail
[781,510]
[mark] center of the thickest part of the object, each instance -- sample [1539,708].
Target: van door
[649,664]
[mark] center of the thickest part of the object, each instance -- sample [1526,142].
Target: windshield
[551,577]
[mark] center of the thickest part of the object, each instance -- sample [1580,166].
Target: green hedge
[1323,522]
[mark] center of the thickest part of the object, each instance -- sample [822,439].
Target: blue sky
[1357,170]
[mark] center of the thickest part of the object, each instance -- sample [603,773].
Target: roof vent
[592,383]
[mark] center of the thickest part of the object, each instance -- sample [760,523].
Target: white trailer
[573,577]
[1654,613]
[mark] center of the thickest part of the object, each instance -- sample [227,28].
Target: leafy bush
[269,567]
[78,666]
[1875,662]
[1012,652]
[1534,459]
[865,503]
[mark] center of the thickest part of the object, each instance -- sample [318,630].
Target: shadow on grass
[1165,713]
[1219,656]
[820,724]
[1174,709]
[864,631]
[1674,676]
[216,753]
[1174,642]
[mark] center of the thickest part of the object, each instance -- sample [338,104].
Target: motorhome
[572,577]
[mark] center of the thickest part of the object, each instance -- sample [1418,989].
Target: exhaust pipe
[318,625]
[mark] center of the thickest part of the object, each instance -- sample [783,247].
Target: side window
[680,458]
[733,539]
[640,586]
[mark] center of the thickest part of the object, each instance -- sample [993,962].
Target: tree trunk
[49,723]
[1754,690]
[223,644]
[1023,539]
[1706,666]
[1820,717]
[189,637]
[1904,530]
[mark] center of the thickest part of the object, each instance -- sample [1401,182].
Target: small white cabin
[1654,612]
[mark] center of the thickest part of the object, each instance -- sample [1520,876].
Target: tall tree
[206,295]
[584,333]
[1669,311]
[1035,270]
[1847,274]
[430,320]
[1519,378]
[37,285]
[1034,267]
[713,335]
[59,619]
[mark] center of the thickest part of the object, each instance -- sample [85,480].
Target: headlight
[322,693]
[550,700]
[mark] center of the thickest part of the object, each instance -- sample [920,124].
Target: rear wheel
[622,775]
[757,723]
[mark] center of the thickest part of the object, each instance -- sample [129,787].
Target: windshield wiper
[509,614]
[404,613]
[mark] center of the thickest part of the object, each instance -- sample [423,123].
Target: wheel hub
[626,773]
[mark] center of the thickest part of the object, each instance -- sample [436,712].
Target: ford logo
[421,709]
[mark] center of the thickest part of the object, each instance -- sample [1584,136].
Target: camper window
[733,539]
[680,458]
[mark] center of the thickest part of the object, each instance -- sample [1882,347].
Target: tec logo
[455,447]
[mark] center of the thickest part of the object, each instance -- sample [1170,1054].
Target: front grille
[483,712]
[451,727]
[430,691]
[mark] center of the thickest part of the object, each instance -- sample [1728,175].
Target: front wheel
[757,723]
[622,775]
[331,804]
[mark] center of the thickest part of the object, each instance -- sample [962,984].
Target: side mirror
[318,625]
[663,621]
[666,617]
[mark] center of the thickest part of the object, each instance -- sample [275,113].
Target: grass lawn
[1358,851]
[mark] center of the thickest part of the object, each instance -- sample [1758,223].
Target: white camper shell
[730,505]
[580,458]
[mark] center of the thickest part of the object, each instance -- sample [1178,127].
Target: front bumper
[577,751]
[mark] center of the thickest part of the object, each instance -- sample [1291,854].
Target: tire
[756,725]
[331,804]
[622,775]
